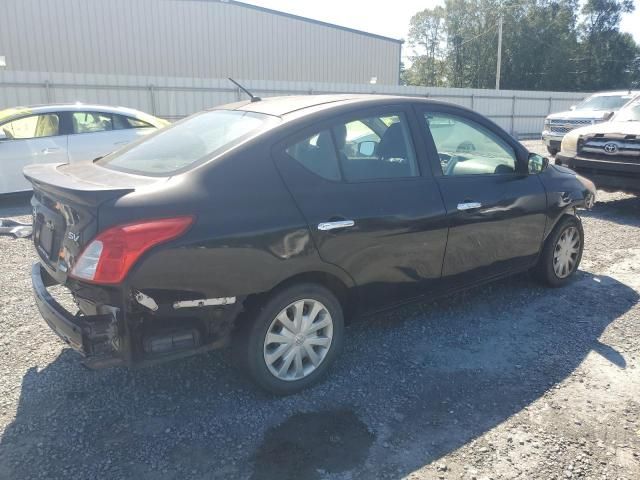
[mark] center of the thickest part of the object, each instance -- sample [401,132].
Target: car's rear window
[187,143]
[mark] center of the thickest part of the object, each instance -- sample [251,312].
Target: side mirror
[537,163]
[572,107]
[367,148]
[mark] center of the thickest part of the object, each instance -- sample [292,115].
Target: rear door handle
[50,150]
[469,206]
[326,226]
[122,142]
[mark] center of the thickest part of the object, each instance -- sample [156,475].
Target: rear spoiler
[83,183]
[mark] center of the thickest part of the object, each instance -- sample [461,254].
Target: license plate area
[45,238]
[49,227]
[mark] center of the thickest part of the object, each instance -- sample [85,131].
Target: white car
[64,133]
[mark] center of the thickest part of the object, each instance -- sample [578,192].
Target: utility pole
[499,53]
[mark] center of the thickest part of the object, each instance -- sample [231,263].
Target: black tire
[544,270]
[552,151]
[249,339]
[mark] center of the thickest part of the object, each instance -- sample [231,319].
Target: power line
[479,35]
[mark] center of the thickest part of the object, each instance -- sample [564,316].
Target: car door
[96,134]
[26,140]
[495,209]
[373,210]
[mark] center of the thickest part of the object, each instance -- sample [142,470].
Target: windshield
[631,113]
[604,102]
[186,143]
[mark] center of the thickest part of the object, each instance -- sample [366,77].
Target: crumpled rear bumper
[93,336]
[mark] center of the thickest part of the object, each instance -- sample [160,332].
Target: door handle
[326,226]
[50,150]
[122,142]
[468,206]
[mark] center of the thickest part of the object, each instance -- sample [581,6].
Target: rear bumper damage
[94,336]
[144,330]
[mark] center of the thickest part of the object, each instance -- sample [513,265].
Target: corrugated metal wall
[519,112]
[188,38]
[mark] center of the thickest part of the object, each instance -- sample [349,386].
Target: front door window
[467,148]
[34,126]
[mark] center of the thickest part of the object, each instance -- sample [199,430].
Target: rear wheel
[562,253]
[291,339]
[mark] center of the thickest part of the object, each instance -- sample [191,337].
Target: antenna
[251,95]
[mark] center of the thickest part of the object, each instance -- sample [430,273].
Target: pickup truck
[597,108]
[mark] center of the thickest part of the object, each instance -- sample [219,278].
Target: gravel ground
[510,380]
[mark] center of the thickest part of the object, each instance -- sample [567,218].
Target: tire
[552,151]
[252,352]
[548,270]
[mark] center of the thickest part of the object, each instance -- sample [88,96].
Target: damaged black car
[264,225]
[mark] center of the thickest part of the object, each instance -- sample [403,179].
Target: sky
[388,18]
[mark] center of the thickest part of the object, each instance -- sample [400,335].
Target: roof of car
[616,93]
[75,107]
[11,113]
[279,106]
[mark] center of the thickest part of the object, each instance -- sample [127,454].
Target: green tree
[547,45]
[540,43]
[607,56]
[472,42]
[427,34]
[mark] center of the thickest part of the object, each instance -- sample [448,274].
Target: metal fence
[519,112]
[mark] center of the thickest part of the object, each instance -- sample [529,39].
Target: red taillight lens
[110,256]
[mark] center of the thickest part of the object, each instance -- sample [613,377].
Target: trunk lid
[65,206]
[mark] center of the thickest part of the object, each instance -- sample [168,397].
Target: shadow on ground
[411,386]
[624,211]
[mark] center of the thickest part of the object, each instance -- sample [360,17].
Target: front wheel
[292,339]
[552,151]
[561,253]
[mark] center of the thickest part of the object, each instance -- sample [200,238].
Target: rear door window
[375,148]
[186,143]
[91,122]
[363,149]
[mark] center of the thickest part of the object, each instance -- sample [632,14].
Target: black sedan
[264,223]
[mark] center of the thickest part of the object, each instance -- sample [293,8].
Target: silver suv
[597,108]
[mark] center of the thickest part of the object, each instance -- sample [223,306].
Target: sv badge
[73,236]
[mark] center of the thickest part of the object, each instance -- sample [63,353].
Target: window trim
[60,125]
[314,127]
[520,151]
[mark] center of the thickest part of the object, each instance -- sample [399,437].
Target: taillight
[110,256]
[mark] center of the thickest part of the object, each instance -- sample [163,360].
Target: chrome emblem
[610,148]
[73,236]
[568,126]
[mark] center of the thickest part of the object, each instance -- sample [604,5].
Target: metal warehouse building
[189,39]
